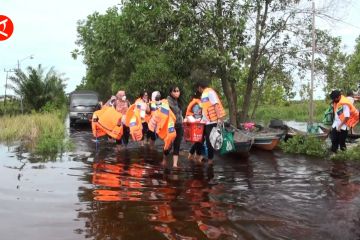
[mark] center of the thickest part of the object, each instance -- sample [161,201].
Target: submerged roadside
[42,133]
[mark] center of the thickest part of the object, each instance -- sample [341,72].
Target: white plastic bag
[216,137]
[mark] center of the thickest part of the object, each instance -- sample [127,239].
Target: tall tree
[38,88]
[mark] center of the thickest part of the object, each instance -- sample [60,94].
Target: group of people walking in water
[156,117]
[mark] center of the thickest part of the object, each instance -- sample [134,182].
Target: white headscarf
[154,94]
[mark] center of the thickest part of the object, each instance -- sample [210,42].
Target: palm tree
[37,89]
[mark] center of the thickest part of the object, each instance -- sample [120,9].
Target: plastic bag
[216,137]
[228,142]
[328,116]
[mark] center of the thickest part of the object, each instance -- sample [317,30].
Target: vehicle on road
[82,106]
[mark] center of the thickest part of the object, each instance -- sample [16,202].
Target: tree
[37,88]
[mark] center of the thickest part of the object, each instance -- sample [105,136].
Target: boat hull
[266,143]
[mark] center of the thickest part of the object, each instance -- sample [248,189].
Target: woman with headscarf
[174,103]
[142,106]
[122,105]
[154,105]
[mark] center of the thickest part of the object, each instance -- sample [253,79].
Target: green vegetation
[298,111]
[352,154]
[43,133]
[308,145]
[38,89]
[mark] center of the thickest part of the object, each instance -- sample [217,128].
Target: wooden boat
[266,142]
[351,136]
[242,140]
[295,132]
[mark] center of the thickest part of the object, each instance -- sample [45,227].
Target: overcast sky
[47,29]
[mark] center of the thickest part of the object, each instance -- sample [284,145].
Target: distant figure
[346,117]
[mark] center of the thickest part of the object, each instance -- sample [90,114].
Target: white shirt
[337,120]
[351,99]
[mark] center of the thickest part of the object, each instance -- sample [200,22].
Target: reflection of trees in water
[134,200]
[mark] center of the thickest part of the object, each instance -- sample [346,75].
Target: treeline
[252,51]
[36,91]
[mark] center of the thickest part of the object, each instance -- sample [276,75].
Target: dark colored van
[82,106]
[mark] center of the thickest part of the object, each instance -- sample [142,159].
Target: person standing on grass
[346,117]
[213,113]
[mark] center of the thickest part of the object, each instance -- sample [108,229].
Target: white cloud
[46,29]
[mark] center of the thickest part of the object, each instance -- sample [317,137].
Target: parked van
[82,106]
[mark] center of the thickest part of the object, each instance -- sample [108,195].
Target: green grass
[42,133]
[297,111]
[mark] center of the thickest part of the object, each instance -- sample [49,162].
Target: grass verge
[42,133]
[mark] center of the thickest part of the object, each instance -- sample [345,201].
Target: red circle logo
[6,27]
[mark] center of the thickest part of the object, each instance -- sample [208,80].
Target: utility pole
[6,85]
[311,106]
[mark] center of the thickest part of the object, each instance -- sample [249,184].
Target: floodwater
[101,192]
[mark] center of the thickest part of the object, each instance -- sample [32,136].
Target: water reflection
[126,194]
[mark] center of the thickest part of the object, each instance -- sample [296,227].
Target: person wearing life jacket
[133,121]
[122,105]
[142,107]
[213,113]
[162,123]
[175,106]
[154,105]
[194,114]
[346,117]
[107,121]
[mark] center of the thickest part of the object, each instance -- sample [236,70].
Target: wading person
[174,103]
[142,105]
[122,105]
[346,116]
[194,114]
[154,104]
[213,113]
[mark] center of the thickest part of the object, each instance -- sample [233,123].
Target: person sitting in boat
[212,111]
[122,105]
[194,114]
[143,108]
[346,116]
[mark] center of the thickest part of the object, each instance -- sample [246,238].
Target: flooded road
[101,192]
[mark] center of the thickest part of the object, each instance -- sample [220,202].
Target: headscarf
[111,101]
[122,104]
[154,94]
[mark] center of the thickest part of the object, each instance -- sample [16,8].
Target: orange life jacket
[191,105]
[354,113]
[133,121]
[162,122]
[141,107]
[107,120]
[209,110]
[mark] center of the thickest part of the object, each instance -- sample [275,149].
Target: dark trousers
[125,137]
[196,147]
[145,130]
[207,132]
[338,139]
[176,144]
